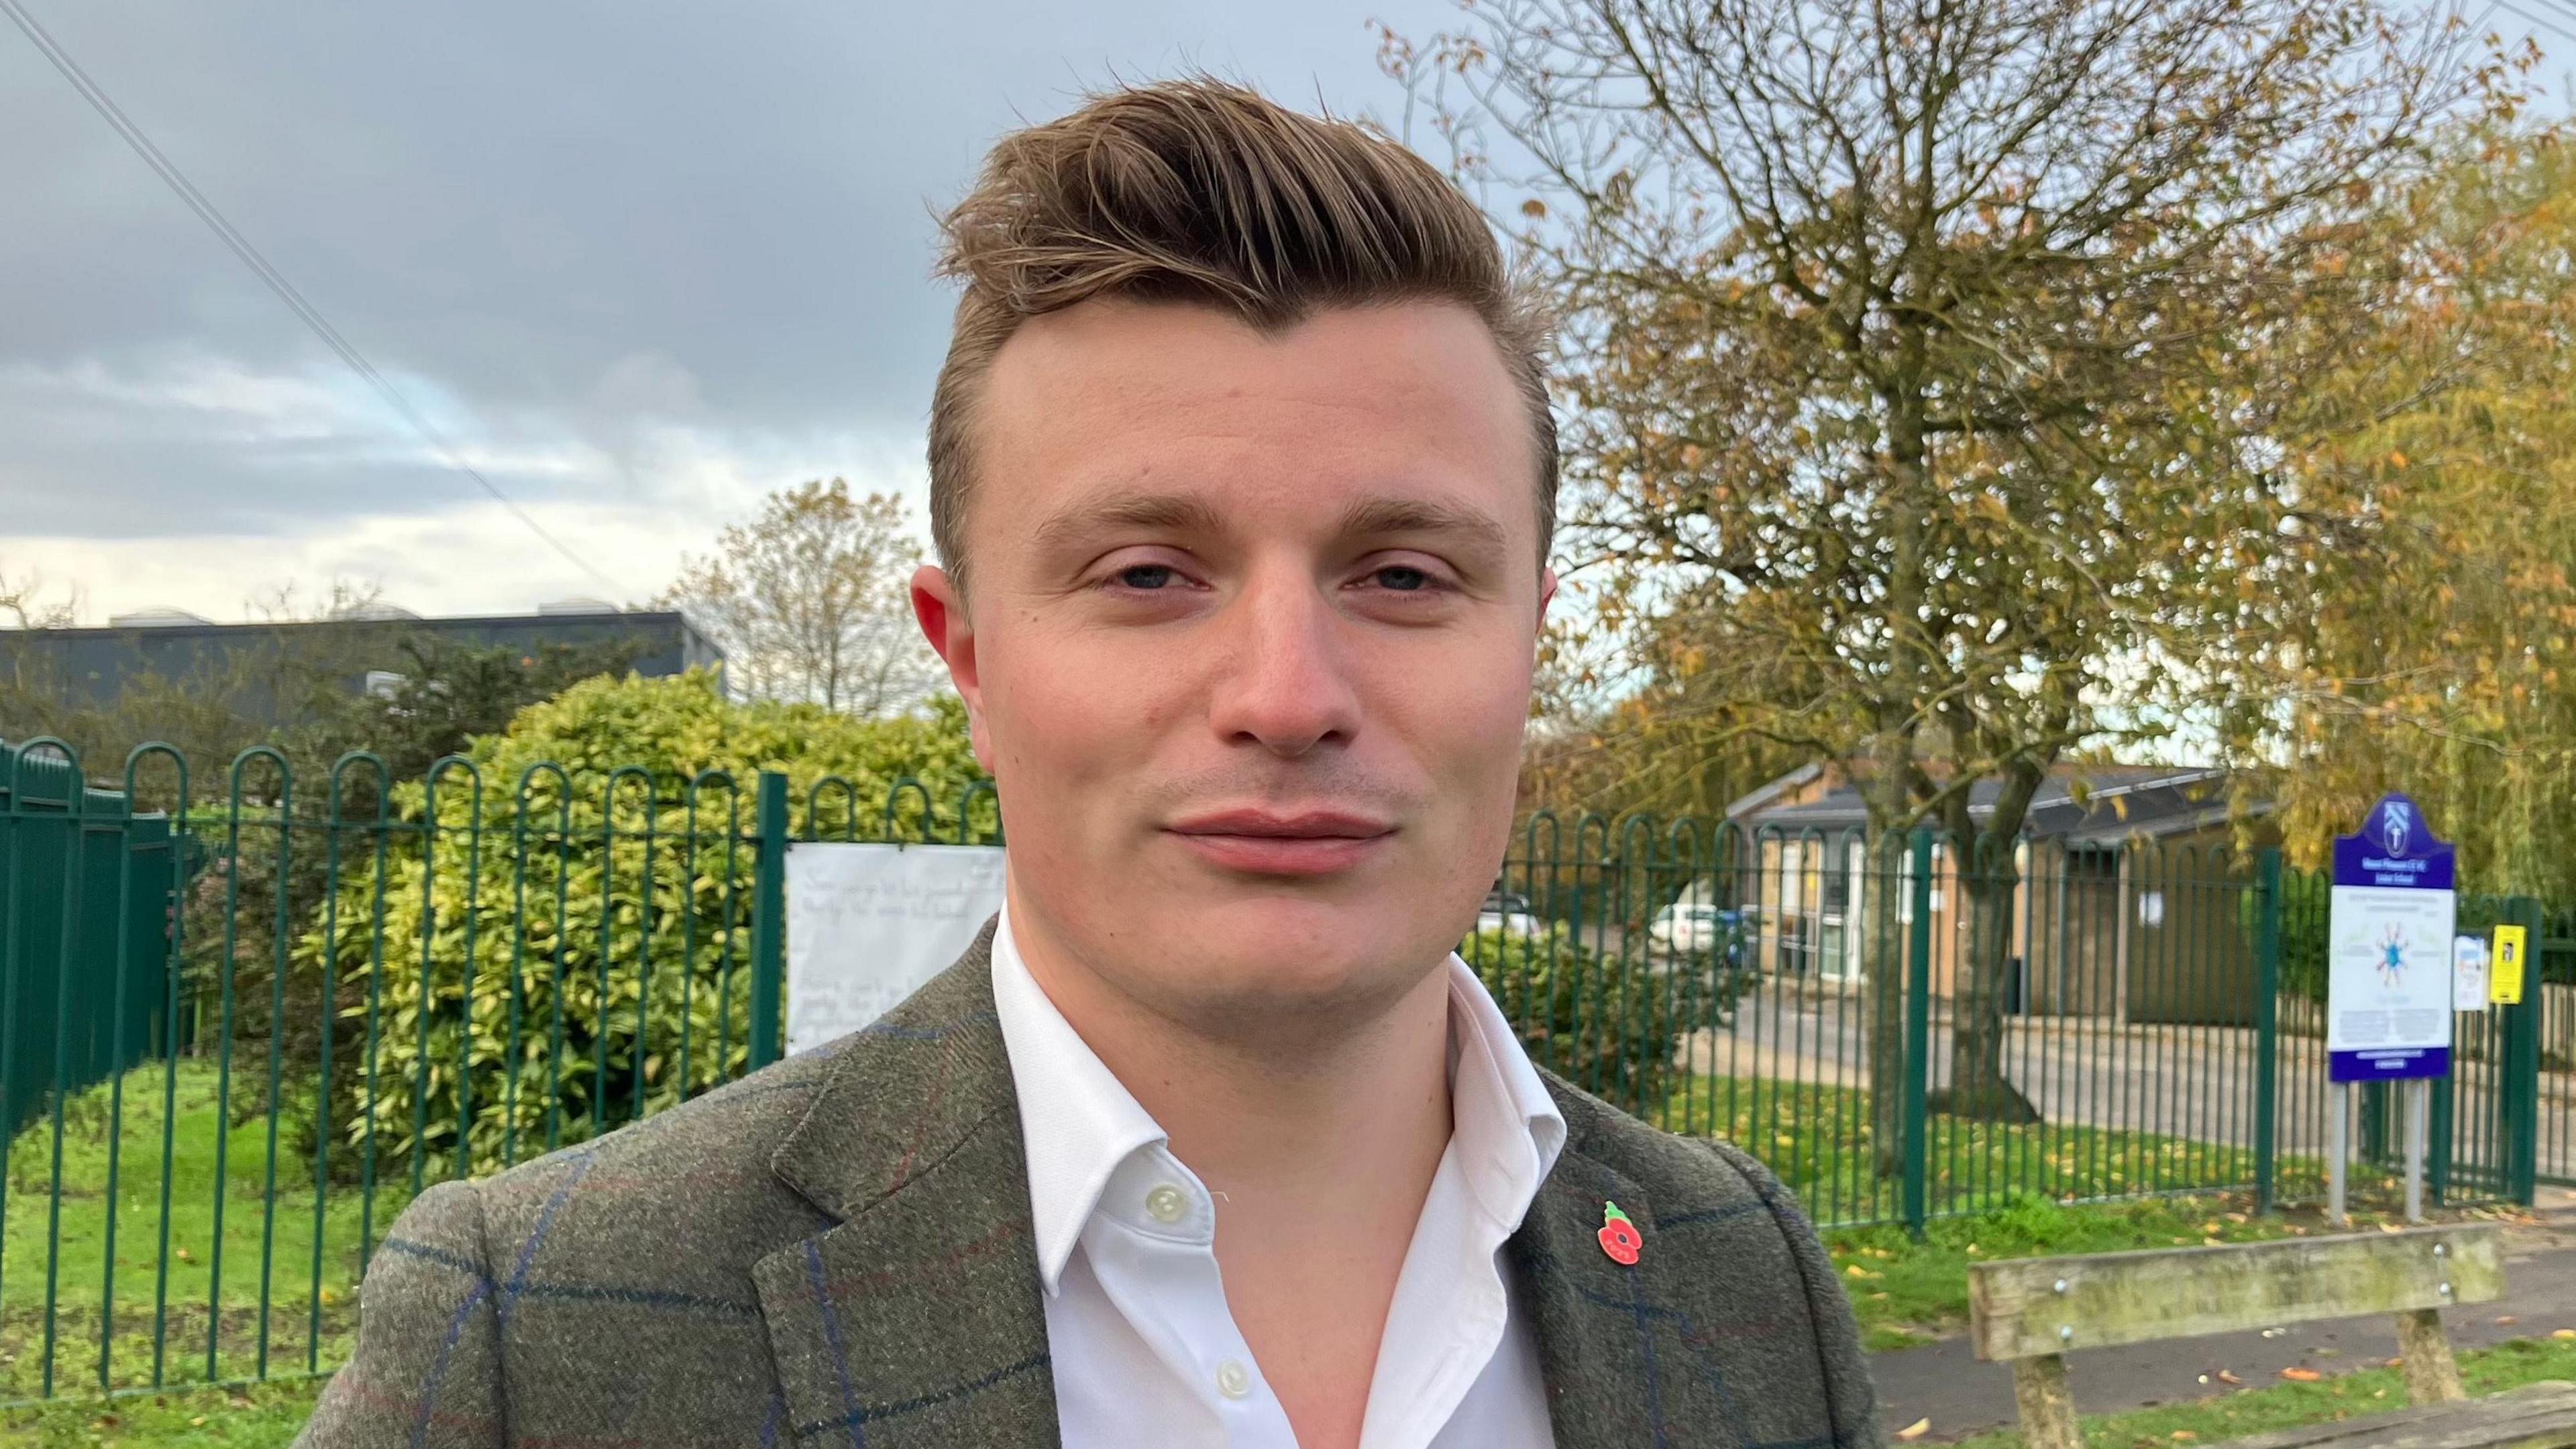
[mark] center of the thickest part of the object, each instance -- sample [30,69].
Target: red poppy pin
[1619,1237]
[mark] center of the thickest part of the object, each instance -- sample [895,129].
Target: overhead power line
[2560,30]
[305,311]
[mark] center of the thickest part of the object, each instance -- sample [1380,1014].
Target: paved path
[1945,1383]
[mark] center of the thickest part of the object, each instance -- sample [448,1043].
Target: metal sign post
[2338,1148]
[2388,977]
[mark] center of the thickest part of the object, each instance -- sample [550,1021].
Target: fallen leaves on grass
[2298,1374]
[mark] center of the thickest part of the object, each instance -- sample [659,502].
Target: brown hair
[1200,191]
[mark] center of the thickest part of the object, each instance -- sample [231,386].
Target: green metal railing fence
[2081,1023]
[317,997]
[282,1006]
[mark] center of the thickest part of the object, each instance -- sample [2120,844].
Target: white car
[1689,926]
[1509,914]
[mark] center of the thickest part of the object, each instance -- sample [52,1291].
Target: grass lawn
[1992,1190]
[259,1416]
[2281,1406]
[298,1297]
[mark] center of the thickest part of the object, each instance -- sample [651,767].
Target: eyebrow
[1176,513]
[1161,511]
[1378,516]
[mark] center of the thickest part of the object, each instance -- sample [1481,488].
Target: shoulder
[698,1174]
[762,1162]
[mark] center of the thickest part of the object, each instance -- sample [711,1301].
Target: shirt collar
[1079,1123]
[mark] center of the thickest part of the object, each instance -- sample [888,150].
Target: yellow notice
[2504,971]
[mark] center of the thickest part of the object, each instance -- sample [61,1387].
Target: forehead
[1410,399]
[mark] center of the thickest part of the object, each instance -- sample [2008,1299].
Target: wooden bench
[2030,1312]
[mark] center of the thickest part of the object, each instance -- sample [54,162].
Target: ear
[941,610]
[1546,592]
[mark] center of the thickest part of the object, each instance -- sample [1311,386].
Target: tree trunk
[1980,991]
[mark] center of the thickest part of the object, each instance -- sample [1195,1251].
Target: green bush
[1609,1026]
[492,977]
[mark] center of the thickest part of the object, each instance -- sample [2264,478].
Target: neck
[1319,1137]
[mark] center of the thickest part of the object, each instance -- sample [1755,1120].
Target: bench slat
[2536,1416]
[2023,1307]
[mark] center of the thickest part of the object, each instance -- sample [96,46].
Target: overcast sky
[643,261]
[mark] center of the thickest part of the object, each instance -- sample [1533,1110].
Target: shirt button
[1232,1379]
[1167,1204]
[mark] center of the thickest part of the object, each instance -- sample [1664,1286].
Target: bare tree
[25,603]
[811,601]
[1922,361]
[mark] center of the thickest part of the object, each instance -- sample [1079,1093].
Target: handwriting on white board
[868,924]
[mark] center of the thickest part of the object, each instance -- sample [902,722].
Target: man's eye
[1146,576]
[1402,579]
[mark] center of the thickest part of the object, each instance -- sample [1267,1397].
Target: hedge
[1609,1025]
[582,896]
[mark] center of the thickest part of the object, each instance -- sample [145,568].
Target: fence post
[768,919]
[1918,1030]
[2518,1085]
[2267,1023]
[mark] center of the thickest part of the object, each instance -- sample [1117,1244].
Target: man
[1242,479]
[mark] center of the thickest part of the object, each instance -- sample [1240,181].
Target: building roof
[2076,804]
[167,623]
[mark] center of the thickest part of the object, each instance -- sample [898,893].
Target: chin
[1298,955]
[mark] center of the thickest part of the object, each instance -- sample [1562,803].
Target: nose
[1286,682]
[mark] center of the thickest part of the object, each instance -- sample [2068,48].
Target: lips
[1282,843]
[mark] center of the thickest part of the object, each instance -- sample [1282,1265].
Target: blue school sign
[2388,954]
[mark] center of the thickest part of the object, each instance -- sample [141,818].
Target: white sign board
[2388,981]
[2468,973]
[868,925]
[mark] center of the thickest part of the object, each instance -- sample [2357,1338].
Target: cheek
[1067,712]
[1470,720]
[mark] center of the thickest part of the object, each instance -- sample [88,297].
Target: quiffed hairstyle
[1203,192]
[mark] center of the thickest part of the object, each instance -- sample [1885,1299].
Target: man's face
[1249,646]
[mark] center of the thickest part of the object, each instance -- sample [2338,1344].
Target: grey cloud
[574,227]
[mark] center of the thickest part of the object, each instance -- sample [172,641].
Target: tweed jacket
[837,1251]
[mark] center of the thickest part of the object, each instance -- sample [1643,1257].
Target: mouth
[1282,843]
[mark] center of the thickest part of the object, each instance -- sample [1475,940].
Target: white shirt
[1145,1350]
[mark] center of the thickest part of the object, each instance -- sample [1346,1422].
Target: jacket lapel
[917,1319]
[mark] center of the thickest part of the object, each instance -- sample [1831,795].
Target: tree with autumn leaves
[2435,651]
[1923,362]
